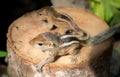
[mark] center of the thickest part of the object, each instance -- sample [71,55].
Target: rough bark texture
[93,61]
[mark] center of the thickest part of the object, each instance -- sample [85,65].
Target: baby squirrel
[83,36]
[58,45]
[54,45]
[51,12]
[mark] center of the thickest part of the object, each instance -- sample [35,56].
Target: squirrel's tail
[104,35]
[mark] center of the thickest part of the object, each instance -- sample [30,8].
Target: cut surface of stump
[93,60]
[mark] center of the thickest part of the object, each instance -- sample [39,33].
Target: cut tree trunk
[93,61]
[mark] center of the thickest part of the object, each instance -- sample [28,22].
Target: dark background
[13,9]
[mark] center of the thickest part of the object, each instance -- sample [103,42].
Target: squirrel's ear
[53,27]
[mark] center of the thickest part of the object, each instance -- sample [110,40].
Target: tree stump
[93,61]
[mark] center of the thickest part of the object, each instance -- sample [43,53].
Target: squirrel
[51,12]
[54,45]
[81,34]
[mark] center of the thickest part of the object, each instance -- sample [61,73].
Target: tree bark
[93,61]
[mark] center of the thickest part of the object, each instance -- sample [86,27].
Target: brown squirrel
[54,45]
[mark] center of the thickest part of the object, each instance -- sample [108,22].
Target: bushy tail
[104,35]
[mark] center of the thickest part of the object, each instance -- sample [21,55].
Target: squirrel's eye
[40,44]
[68,31]
[46,21]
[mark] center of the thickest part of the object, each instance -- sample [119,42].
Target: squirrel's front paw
[39,67]
[74,59]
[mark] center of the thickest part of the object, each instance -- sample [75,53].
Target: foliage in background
[108,10]
[118,49]
[3,53]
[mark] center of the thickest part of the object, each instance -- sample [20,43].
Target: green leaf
[115,3]
[108,11]
[97,7]
[115,19]
[118,49]
[3,54]
[105,9]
